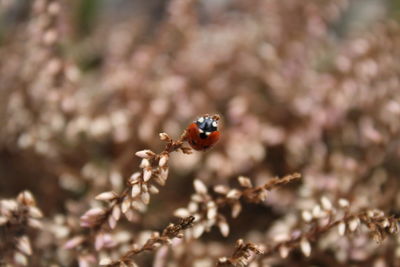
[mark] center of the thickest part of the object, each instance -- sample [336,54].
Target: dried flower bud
[131,215]
[182,213]
[146,198]
[91,216]
[34,212]
[26,198]
[306,215]
[163,175]
[234,194]
[24,245]
[164,137]
[200,187]
[145,188]
[8,206]
[145,163]
[221,189]
[94,212]
[126,204]
[344,203]
[145,154]
[245,182]
[116,212]
[112,222]
[134,178]
[159,180]
[74,242]
[155,235]
[106,196]
[353,224]
[236,209]
[135,191]
[385,223]
[140,206]
[283,251]
[326,203]
[193,207]
[198,230]
[20,259]
[223,228]
[317,212]
[197,198]
[153,189]
[342,228]
[223,260]
[212,210]
[305,247]
[371,213]
[147,174]
[163,160]
[105,261]
[35,223]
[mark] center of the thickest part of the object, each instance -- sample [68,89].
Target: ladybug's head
[206,126]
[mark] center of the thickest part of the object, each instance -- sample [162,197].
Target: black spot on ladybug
[205,147]
[203,135]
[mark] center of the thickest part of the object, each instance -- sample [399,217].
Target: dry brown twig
[378,224]
[157,240]
[325,219]
[137,193]
[206,207]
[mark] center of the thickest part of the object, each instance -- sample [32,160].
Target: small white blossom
[305,247]
[106,196]
[146,154]
[200,187]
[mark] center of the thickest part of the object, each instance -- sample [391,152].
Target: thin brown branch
[157,240]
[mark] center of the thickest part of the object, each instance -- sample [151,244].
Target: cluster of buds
[325,216]
[205,206]
[141,185]
[17,217]
[242,256]
[249,193]
[378,223]
[155,241]
[134,198]
[205,209]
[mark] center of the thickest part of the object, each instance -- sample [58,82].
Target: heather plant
[305,171]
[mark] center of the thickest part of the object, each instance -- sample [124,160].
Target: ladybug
[203,133]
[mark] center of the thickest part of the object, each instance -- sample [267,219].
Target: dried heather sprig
[157,240]
[242,256]
[205,206]
[134,198]
[379,225]
[17,217]
[140,186]
[324,219]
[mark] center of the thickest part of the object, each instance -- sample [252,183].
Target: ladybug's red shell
[202,134]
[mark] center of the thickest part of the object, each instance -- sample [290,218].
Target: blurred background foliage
[308,87]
